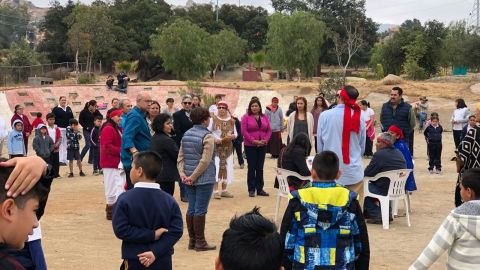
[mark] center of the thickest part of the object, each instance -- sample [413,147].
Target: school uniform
[433,136]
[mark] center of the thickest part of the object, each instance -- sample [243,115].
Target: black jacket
[294,161]
[166,147]
[386,159]
[62,118]
[433,135]
[181,123]
[87,118]
[291,108]
[238,126]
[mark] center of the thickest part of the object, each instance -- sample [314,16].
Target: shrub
[86,78]
[331,85]
[195,88]
[379,73]
[413,70]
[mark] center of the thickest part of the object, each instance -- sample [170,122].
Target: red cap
[396,130]
[115,113]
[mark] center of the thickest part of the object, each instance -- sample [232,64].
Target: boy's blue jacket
[16,145]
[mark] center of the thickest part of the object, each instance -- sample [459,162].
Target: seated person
[293,158]
[122,79]
[315,223]
[402,146]
[109,82]
[387,158]
[251,242]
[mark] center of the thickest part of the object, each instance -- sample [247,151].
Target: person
[458,233]
[293,157]
[56,136]
[399,113]
[63,114]
[3,134]
[110,145]
[352,133]
[433,137]
[386,158]
[401,146]
[213,108]
[95,145]
[256,133]
[152,112]
[472,122]
[196,101]
[238,142]
[292,106]
[109,82]
[319,106]
[369,116]
[27,127]
[181,124]
[170,109]
[313,223]
[136,134]
[459,119]
[421,110]
[115,105]
[37,121]
[73,147]
[223,129]
[146,219]
[43,144]
[122,80]
[16,146]
[275,117]
[300,121]
[86,119]
[250,242]
[164,145]
[126,106]
[196,167]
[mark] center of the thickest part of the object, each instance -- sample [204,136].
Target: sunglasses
[222,108]
[187,103]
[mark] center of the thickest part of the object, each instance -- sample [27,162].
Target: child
[251,242]
[73,147]
[37,121]
[459,232]
[55,134]
[16,145]
[43,144]
[433,136]
[147,219]
[472,122]
[323,225]
[95,144]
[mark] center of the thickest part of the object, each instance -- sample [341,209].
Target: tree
[228,49]
[19,56]
[347,47]
[14,24]
[184,48]
[294,41]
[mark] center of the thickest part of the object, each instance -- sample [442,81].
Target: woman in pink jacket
[256,133]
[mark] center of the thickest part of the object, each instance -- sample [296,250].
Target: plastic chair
[283,188]
[396,192]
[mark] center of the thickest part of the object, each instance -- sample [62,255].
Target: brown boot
[200,242]
[191,232]
[108,210]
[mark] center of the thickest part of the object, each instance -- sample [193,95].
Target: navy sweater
[138,213]
[433,135]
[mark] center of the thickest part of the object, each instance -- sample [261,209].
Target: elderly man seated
[387,158]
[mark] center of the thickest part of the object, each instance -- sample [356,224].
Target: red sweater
[110,145]
[37,121]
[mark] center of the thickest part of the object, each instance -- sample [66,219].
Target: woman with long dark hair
[301,120]
[86,120]
[319,106]
[196,101]
[152,113]
[459,120]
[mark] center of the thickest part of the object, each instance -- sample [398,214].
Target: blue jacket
[138,213]
[16,145]
[135,134]
[433,134]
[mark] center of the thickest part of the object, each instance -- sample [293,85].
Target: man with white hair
[136,134]
[126,106]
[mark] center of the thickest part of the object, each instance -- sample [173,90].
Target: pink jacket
[251,131]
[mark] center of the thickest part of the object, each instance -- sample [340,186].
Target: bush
[379,73]
[413,70]
[331,85]
[195,88]
[86,78]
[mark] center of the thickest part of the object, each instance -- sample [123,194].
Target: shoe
[62,164]
[217,196]
[70,175]
[200,242]
[226,194]
[430,171]
[453,159]
[81,173]
[438,171]
[191,232]
[95,172]
[374,221]
[251,194]
[242,166]
[263,193]
[109,211]
[100,172]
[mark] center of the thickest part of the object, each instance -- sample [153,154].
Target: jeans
[95,153]
[255,160]
[422,117]
[457,137]
[237,146]
[86,148]
[198,199]
[379,187]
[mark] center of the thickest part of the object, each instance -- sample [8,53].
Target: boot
[191,232]
[200,242]
[108,210]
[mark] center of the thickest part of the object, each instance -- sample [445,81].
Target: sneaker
[430,171]
[95,172]
[62,164]
[217,196]
[70,175]
[438,171]
[227,194]
[263,193]
[100,172]
[251,194]
[82,174]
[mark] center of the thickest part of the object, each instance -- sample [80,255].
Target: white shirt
[213,109]
[52,132]
[146,185]
[367,114]
[460,116]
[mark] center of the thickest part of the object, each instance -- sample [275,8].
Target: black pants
[54,161]
[435,156]
[237,146]
[368,147]
[457,137]
[127,178]
[410,136]
[168,187]
[255,160]
[315,137]
[95,153]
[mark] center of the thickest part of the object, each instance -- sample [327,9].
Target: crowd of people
[143,151]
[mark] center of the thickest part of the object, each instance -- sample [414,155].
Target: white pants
[114,184]
[62,151]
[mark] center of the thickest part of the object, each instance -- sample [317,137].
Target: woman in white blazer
[301,120]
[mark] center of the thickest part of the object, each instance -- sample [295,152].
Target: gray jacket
[43,145]
[275,119]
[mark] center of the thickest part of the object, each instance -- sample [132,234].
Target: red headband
[396,130]
[350,123]
[115,113]
[382,140]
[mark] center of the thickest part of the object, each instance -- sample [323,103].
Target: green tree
[202,15]
[13,25]
[228,49]
[185,49]
[19,56]
[294,41]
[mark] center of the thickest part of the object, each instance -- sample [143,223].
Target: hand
[159,232]
[25,175]
[27,133]
[218,141]
[146,258]
[187,181]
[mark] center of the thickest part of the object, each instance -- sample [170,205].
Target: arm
[177,127]
[246,135]
[35,145]
[82,120]
[168,239]
[362,136]
[300,163]
[107,141]
[374,166]
[181,163]
[321,123]
[269,131]
[360,238]
[50,144]
[91,137]
[10,142]
[28,126]
[425,133]
[124,231]
[411,118]
[129,131]
[288,228]
[208,149]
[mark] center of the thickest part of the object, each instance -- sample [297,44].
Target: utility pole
[217,10]
[475,16]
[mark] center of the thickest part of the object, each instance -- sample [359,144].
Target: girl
[300,121]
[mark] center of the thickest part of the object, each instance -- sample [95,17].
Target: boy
[147,219]
[459,232]
[251,242]
[95,144]
[56,135]
[73,147]
[43,144]
[37,121]
[323,225]
[16,145]
[433,137]
[472,122]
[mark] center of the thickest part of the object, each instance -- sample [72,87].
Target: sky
[381,11]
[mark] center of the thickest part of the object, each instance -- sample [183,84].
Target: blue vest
[398,117]
[192,145]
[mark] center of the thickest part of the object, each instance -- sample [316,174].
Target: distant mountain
[36,13]
[385,27]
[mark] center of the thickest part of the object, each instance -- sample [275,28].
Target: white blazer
[291,125]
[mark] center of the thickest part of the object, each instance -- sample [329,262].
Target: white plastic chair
[283,189]
[396,192]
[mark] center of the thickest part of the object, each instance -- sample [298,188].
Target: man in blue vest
[399,113]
